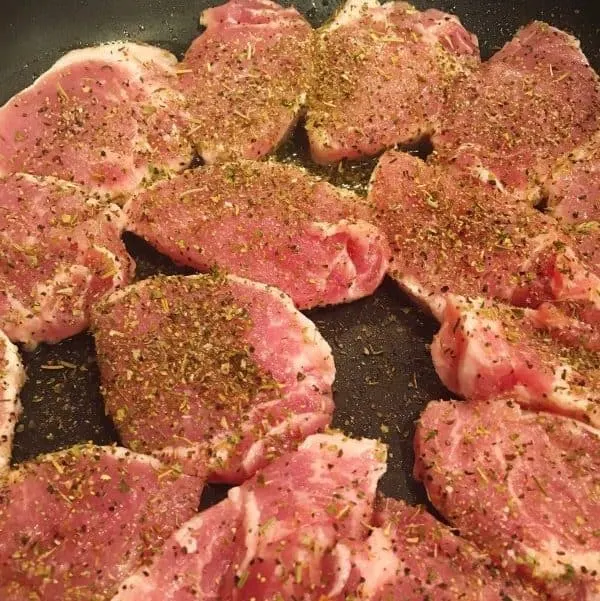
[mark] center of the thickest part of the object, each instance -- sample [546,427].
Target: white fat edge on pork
[353,10]
[135,55]
[12,378]
[315,349]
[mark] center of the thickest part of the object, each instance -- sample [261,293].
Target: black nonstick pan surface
[384,371]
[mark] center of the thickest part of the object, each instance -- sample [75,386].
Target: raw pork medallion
[76,522]
[540,358]
[60,251]
[410,556]
[107,117]
[273,537]
[534,100]
[451,233]
[381,75]
[523,486]
[212,365]
[246,78]
[12,377]
[269,222]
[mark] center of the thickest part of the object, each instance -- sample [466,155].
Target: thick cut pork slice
[246,78]
[381,75]
[523,486]
[60,251]
[410,556]
[212,364]
[451,233]
[534,100]
[12,377]
[76,522]
[573,193]
[486,350]
[107,117]
[269,222]
[273,537]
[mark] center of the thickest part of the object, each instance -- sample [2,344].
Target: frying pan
[384,372]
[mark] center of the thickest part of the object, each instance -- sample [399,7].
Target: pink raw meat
[523,486]
[573,192]
[486,350]
[246,78]
[76,522]
[60,252]
[106,117]
[273,537]
[410,556]
[451,233]
[213,364]
[533,101]
[381,75]
[12,377]
[269,222]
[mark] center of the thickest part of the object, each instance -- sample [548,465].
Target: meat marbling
[12,377]
[522,485]
[60,252]
[486,350]
[75,523]
[246,78]
[107,117]
[410,556]
[381,75]
[269,222]
[534,100]
[213,364]
[451,233]
[274,537]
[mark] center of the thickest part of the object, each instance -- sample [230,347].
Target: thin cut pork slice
[450,233]
[381,76]
[523,486]
[212,364]
[533,101]
[107,117]
[246,78]
[12,377]
[60,251]
[274,537]
[76,522]
[573,193]
[269,222]
[410,556]
[486,350]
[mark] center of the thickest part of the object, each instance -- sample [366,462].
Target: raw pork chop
[106,117]
[246,78]
[410,556]
[273,538]
[268,222]
[534,100]
[523,486]
[485,350]
[199,363]
[573,193]
[12,377]
[60,250]
[76,522]
[452,233]
[381,75]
